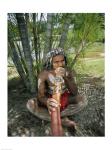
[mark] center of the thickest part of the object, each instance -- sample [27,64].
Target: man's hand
[52,104]
[60,71]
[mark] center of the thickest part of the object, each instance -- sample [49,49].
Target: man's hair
[49,57]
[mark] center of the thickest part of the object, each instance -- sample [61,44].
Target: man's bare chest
[54,83]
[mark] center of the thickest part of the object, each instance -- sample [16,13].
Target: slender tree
[48,42]
[35,38]
[67,20]
[16,59]
[26,49]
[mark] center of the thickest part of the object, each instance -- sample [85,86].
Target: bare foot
[68,123]
[71,125]
[31,105]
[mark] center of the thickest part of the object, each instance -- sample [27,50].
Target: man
[71,102]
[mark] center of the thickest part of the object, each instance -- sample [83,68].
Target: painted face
[58,61]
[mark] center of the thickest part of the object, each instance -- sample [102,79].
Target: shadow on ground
[90,119]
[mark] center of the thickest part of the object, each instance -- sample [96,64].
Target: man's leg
[35,109]
[77,103]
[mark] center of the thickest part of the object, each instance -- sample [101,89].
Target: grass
[94,50]
[92,62]
[91,67]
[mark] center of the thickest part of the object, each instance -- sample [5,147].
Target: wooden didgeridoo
[56,126]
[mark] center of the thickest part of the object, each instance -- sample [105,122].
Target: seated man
[71,102]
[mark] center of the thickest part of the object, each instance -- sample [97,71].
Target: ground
[91,121]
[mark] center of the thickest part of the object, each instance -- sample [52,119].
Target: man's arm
[42,89]
[50,103]
[69,81]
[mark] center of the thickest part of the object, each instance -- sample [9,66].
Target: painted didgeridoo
[56,126]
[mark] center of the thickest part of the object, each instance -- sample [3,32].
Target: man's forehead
[58,57]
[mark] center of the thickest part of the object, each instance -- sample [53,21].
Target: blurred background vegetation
[32,35]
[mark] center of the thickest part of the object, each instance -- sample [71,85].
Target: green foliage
[38,67]
[84,30]
[91,67]
[94,50]
[86,27]
[93,62]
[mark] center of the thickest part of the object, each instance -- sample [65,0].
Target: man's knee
[81,99]
[32,103]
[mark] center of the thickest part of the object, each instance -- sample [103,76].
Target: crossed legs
[73,108]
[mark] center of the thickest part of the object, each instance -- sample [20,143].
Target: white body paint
[39,82]
[51,78]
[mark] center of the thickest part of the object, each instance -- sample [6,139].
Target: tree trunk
[21,57]
[26,48]
[16,60]
[36,35]
[48,42]
[64,32]
[35,38]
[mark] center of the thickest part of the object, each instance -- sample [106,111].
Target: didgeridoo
[56,126]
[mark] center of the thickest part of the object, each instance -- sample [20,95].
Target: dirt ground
[91,121]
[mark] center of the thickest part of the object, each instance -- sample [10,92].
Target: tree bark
[21,57]
[64,32]
[48,42]
[26,49]
[16,60]
[35,36]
